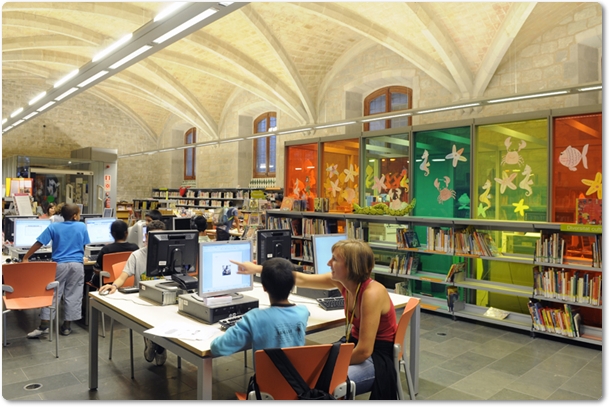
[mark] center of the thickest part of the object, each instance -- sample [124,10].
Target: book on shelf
[454,268]
[412,239]
[589,211]
[452,296]
[287,204]
[402,288]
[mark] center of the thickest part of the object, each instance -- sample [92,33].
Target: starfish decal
[335,188]
[595,185]
[482,210]
[349,173]
[520,207]
[331,170]
[456,155]
[296,187]
[379,184]
[506,181]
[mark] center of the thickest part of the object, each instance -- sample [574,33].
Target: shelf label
[258,194]
[582,228]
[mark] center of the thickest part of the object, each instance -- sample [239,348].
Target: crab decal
[512,157]
[445,193]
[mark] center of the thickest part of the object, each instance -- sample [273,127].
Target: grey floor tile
[585,382]
[474,336]
[520,337]
[580,352]
[10,376]
[595,364]
[428,388]
[561,394]
[427,360]
[59,381]
[452,394]
[514,364]
[537,383]
[450,348]
[496,348]
[440,376]
[562,364]
[467,363]
[484,383]
[510,395]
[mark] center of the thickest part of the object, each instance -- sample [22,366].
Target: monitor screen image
[172,252]
[168,221]
[322,250]
[99,230]
[8,225]
[27,230]
[217,275]
[85,216]
[108,212]
[273,243]
[180,223]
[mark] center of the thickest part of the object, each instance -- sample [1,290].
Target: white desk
[142,317]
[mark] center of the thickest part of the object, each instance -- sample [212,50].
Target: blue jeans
[362,375]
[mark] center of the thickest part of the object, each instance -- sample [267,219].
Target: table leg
[204,379]
[93,346]
[415,330]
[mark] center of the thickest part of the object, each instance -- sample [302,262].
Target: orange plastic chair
[30,286]
[108,275]
[309,362]
[399,356]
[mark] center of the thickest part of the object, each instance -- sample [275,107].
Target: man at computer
[118,230]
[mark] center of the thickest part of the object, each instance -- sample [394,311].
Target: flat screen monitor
[99,230]
[217,275]
[172,252]
[168,221]
[180,223]
[85,216]
[108,213]
[27,230]
[322,250]
[273,243]
[137,233]
[8,225]
[80,208]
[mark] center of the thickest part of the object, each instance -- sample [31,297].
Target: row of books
[550,249]
[564,322]
[357,230]
[597,251]
[404,264]
[568,285]
[407,238]
[454,269]
[286,223]
[302,249]
[318,226]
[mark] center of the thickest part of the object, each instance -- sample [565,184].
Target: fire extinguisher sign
[107,183]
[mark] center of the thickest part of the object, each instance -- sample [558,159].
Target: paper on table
[183,331]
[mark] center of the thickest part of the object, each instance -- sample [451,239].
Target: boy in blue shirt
[282,325]
[69,240]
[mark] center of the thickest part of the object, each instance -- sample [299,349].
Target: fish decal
[463,202]
[349,195]
[571,157]
[425,164]
[484,197]
[527,181]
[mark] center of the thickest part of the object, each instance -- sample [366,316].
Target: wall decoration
[369,176]
[506,181]
[445,193]
[482,210]
[404,180]
[350,173]
[527,181]
[571,157]
[456,155]
[595,185]
[464,201]
[590,211]
[486,195]
[379,184]
[349,195]
[332,170]
[513,157]
[334,188]
[425,164]
[520,207]
[394,198]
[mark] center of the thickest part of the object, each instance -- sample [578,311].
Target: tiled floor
[459,360]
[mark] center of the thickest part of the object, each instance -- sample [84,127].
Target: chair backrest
[109,260]
[308,361]
[29,279]
[117,269]
[411,305]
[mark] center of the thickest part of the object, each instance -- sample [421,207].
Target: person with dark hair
[69,240]
[49,211]
[153,215]
[281,325]
[119,231]
[200,223]
[224,219]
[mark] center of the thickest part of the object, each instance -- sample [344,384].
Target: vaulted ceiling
[282,53]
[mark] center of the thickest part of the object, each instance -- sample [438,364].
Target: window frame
[190,132]
[387,92]
[264,143]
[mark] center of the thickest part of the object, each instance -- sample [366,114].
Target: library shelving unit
[202,198]
[502,275]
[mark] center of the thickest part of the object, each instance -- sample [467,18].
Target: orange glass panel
[301,171]
[340,174]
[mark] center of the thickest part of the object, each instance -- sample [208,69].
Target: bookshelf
[502,270]
[201,198]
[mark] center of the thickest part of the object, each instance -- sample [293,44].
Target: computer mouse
[105,292]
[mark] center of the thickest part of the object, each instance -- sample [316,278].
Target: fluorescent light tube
[66,78]
[18,122]
[91,79]
[112,47]
[537,95]
[386,117]
[590,88]
[168,10]
[440,109]
[226,3]
[334,125]
[230,141]
[4,121]
[46,106]
[30,115]
[166,149]
[131,56]
[297,169]
[206,144]
[37,98]
[184,147]
[184,26]
[259,136]
[438,159]
[7,129]
[63,95]
[16,112]
[294,131]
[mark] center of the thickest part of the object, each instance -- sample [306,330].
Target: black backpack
[302,389]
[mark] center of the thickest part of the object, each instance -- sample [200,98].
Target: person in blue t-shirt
[69,240]
[232,214]
[281,325]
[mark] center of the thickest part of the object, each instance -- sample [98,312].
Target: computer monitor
[99,230]
[8,225]
[273,243]
[168,221]
[137,233]
[27,230]
[80,208]
[180,223]
[172,252]
[217,275]
[108,212]
[85,216]
[322,250]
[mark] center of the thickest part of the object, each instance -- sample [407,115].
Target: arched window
[264,147]
[387,100]
[190,137]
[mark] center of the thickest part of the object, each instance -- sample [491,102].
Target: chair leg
[131,348]
[179,362]
[111,336]
[399,381]
[104,325]
[4,312]
[409,380]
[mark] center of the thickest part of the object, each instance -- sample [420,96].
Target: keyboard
[230,321]
[331,303]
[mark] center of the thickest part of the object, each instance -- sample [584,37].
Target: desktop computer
[212,313]
[16,254]
[316,293]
